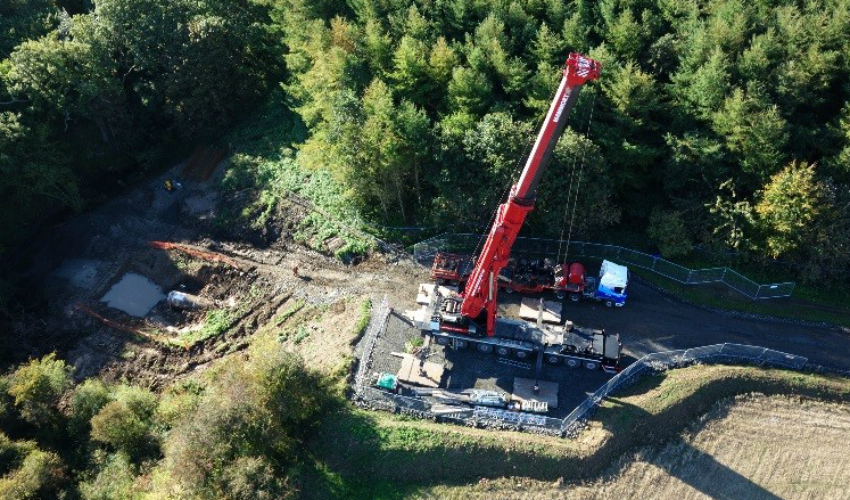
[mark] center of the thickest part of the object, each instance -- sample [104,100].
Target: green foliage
[246,430]
[96,92]
[668,231]
[115,480]
[37,387]
[789,206]
[250,478]
[217,322]
[39,474]
[126,423]
[87,400]
[365,318]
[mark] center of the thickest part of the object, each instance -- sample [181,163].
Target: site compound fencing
[661,361]
[367,396]
[540,248]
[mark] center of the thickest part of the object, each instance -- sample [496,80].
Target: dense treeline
[92,90]
[724,124]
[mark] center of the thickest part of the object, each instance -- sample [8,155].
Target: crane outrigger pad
[422,373]
[524,392]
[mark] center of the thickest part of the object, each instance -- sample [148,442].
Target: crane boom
[481,289]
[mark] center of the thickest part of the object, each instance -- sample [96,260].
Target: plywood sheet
[418,372]
[551,310]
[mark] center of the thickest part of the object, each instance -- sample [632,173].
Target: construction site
[152,288]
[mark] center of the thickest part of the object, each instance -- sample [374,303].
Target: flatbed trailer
[451,269]
[526,277]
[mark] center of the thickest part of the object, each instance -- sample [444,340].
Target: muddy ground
[249,283]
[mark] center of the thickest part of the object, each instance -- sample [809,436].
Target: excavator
[469,318]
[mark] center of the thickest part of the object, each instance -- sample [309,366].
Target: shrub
[114,481]
[253,478]
[40,473]
[252,412]
[13,452]
[141,401]
[668,231]
[88,399]
[178,402]
[116,424]
[36,388]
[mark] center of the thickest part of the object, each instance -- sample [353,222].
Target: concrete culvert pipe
[181,300]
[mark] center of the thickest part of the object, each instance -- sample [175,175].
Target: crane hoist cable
[580,171]
[570,190]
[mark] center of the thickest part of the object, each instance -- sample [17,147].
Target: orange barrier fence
[200,254]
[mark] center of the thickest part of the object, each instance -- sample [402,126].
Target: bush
[178,402]
[668,231]
[119,426]
[139,400]
[253,412]
[114,481]
[40,473]
[37,387]
[126,423]
[253,478]
[88,399]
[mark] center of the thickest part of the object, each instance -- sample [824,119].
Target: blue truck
[610,287]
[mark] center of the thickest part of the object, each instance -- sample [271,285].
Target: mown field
[374,455]
[751,447]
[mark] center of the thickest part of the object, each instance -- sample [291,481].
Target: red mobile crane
[481,289]
[451,319]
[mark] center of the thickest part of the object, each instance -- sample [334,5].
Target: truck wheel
[560,295]
[573,363]
[608,303]
[520,354]
[461,344]
[552,359]
[591,365]
[575,297]
[509,290]
[443,340]
[484,348]
[503,351]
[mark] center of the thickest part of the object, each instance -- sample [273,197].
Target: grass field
[360,454]
[751,447]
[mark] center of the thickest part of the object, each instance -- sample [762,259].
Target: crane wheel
[503,351]
[460,344]
[553,360]
[521,354]
[443,340]
[485,348]
[573,363]
[591,365]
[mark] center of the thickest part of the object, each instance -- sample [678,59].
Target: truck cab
[610,288]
